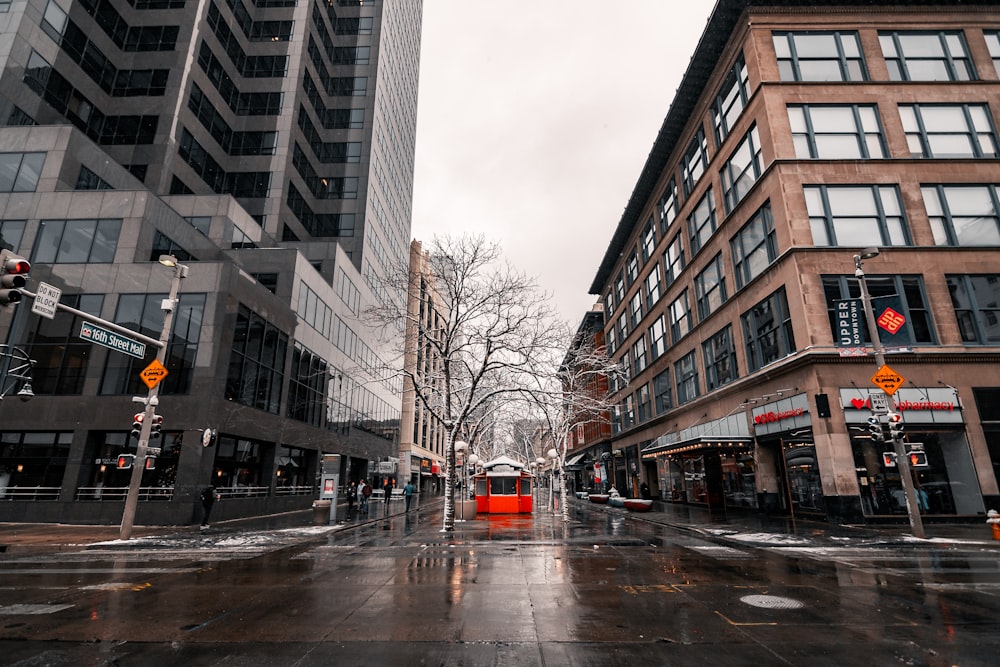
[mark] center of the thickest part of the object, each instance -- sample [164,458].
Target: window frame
[841,57]
[754,332]
[893,230]
[694,164]
[743,265]
[913,118]
[686,378]
[864,139]
[719,353]
[739,177]
[899,64]
[700,220]
[942,219]
[977,319]
[731,100]
[709,297]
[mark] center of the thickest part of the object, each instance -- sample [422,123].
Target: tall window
[19,172]
[653,287]
[657,337]
[61,357]
[817,56]
[695,161]
[720,358]
[308,387]
[11,233]
[862,215]
[742,170]
[639,358]
[628,412]
[673,258]
[927,56]
[701,222]
[622,328]
[754,247]
[662,392]
[77,241]
[635,308]
[767,331]
[731,100]
[993,43]
[948,130]
[686,374]
[680,317]
[710,288]
[256,362]
[963,215]
[643,408]
[632,267]
[836,132]
[648,241]
[904,294]
[976,299]
[668,206]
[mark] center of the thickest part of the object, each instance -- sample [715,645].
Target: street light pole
[169,305]
[902,464]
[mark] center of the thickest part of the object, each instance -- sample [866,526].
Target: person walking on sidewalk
[208,497]
[387,488]
[364,493]
[352,495]
[408,494]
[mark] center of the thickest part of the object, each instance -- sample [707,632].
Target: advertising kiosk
[503,487]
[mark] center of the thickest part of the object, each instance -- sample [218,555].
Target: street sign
[153,373]
[879,403]
[888,379]
[46,300]
[107,338]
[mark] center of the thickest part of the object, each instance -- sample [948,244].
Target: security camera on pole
[889,384]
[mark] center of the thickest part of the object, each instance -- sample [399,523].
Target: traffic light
[895,426]
[13,276]
[137,425]
[150,463]
[918,459]
[889,459]
[875,428]
[125,461]
[155,428]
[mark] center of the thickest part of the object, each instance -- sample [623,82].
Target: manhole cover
[771,602]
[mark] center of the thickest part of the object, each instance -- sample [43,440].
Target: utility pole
[902,463]
[168,305]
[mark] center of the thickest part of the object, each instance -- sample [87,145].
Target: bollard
[993,518]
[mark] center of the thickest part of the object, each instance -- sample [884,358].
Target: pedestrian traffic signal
[150,463]
[13,276]
[137,425]
[895,426]
[155,427]
[125,461]
[889,459]
[875,428]
[918,459]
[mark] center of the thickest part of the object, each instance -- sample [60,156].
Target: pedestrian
[644,491]
[365,489]
[387,488]
[208,497]
[408,494]
[352,495]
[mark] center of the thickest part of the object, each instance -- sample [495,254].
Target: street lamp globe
[540,461]
[552,453]
[473,459]
[461,446]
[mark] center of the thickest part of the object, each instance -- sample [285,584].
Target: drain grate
[771,602]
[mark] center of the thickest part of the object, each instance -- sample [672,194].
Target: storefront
[944,475]
[785,447]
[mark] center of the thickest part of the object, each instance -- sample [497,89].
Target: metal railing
[30,493]
[243,491]
[116,493]
[306,490]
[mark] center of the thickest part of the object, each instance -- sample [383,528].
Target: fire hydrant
[993,518]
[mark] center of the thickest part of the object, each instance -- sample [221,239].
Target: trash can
[321,512]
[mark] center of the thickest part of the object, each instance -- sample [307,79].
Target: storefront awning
[693,444]
[575,460]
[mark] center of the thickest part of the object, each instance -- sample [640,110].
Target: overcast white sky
[535,120]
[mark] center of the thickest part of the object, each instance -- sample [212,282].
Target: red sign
[862,404]
[891,321]
[772,416]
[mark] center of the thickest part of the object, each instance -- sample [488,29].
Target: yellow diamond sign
[888,380]
[153,373]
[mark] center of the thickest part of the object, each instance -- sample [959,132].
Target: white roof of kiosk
[502,465]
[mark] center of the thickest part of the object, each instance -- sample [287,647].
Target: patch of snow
[768,538]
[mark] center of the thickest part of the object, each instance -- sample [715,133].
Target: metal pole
[151,400]
[902,464]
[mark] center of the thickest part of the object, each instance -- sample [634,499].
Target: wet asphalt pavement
[607,588]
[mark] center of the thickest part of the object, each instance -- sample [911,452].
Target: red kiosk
[503,487]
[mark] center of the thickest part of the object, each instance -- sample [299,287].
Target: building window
[742,170]
[976,299]
[635,308]
[662,392]
[256,362]
[701,222]
[632,267]
[19,172]
[648,242]
[11,233]
[620,288]
[142,313]
[164,245]
[754,247]
[993,43]
[927,56]
[314,311]
[88,180]
[680,317]
[673,258]
[61,357]
[77,241]
[657,338]
[963,215]
[731,100]
[767,331]
[710,288]
[695,161]
[639,359]
[653,287]
[609,303]
[622,328]
[308,387]
[720,359]
[903,294]
[948,130]
[348,292]
[818,56]
[642,405]
[838,132]
[861,216]
[628,412]
[668,206]
[686,374]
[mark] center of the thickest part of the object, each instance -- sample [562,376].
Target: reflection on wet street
[602,589]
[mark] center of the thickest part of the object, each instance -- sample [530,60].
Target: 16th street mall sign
[108,338]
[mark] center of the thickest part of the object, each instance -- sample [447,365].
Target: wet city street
[608,588]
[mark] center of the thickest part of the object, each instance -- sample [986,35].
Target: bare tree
[490,330]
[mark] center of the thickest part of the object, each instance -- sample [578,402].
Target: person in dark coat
[387,488]
[208,497]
